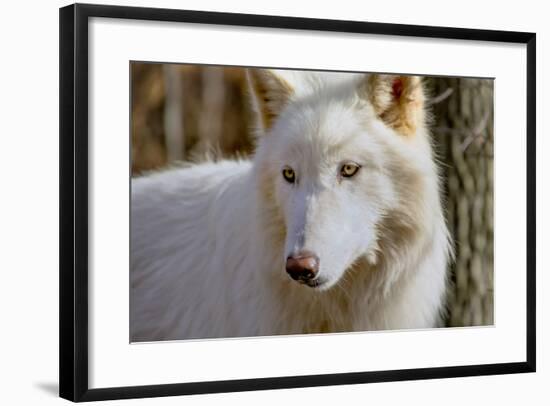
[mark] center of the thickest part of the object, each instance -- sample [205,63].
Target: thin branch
[477,132]
[440,97]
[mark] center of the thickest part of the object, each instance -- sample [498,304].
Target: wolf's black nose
[303,266]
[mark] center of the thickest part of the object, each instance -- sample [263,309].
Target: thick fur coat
[209,242]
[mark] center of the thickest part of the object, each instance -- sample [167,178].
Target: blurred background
[182,112]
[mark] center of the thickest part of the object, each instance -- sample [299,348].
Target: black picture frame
[73,254]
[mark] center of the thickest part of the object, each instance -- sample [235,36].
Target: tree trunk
[463,135]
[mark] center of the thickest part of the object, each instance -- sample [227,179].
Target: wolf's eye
[349,169]
[289,175]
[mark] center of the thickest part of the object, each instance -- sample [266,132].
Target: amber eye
[349,169]
[289,175]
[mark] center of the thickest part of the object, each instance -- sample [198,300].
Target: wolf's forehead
[323,112]
[329,138]
[324,128]
[325,123]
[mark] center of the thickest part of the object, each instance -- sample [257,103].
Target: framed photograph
[257,202]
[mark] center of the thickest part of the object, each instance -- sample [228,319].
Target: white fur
[209,242]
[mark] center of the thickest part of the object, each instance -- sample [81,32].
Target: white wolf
[334,225]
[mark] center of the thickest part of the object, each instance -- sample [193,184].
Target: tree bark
[463,136]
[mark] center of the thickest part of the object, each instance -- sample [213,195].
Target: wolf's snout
[303,266]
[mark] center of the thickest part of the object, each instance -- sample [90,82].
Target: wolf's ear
[270,93]
[397,100]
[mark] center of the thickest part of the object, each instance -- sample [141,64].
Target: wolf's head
[344,166]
